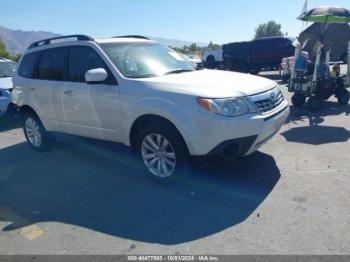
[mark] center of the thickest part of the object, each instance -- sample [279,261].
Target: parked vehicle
[257,55]
[287,65]
[7,70]
[212,58]
[286,68]
[134,91]
[194,60]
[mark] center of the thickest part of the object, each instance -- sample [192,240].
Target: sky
[220,21]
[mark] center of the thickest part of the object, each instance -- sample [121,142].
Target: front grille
[267,105]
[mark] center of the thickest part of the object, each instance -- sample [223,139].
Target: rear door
[50,76]
[263,53]
[91,110]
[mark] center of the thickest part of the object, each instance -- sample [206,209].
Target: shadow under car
[98,185]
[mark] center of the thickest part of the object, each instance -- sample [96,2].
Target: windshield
[7,69]
[141,60]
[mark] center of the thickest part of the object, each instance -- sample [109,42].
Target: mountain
[175,42]
[17,41]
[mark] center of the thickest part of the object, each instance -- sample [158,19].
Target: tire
[240,66]
[210,63]
[298,100]
[167,163]
[37,136]
[344,98]
[314,104]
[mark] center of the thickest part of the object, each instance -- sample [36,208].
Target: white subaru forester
[137,92]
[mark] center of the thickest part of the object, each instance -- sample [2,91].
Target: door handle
[69,93]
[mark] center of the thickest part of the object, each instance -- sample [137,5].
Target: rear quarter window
[28,64]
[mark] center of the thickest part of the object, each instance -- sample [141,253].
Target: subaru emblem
[273,96]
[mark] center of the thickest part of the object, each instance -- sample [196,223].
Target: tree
[5,54]
[193,48]
[213,46]
[268,29]
[3,51]
[16,58]
[177,49]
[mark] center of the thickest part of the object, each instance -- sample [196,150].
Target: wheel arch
[146,119]
[26,109]
[210,57]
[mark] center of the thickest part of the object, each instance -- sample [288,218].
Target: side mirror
[95,76]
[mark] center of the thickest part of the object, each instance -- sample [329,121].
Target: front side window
[141,60]
[7,69]
[283,44]
[82,59]
[52,64]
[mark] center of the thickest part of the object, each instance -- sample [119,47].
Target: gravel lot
[88,197]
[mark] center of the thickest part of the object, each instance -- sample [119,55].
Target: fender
[160,107]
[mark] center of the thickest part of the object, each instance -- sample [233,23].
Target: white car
[194,60]
[286,68]
[7,70]
[212,58]
[137,92]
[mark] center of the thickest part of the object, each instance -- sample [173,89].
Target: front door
[91,110]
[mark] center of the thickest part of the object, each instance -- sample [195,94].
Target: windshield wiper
[178,71]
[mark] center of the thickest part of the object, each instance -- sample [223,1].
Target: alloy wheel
[158,155]
[33,132]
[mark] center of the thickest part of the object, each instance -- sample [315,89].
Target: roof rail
[48,41]
[132,36]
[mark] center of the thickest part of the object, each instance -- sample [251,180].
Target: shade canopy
[326,15]
[335,36]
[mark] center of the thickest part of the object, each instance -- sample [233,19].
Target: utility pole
[305,23]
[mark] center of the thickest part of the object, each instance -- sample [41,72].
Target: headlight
[225,106]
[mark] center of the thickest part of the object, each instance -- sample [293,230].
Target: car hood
[212,83]
[5,82]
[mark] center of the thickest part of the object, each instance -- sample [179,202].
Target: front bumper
[232,137]
[269,128]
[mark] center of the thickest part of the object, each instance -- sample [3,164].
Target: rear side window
[28,64]
[82,59]
[52,65]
